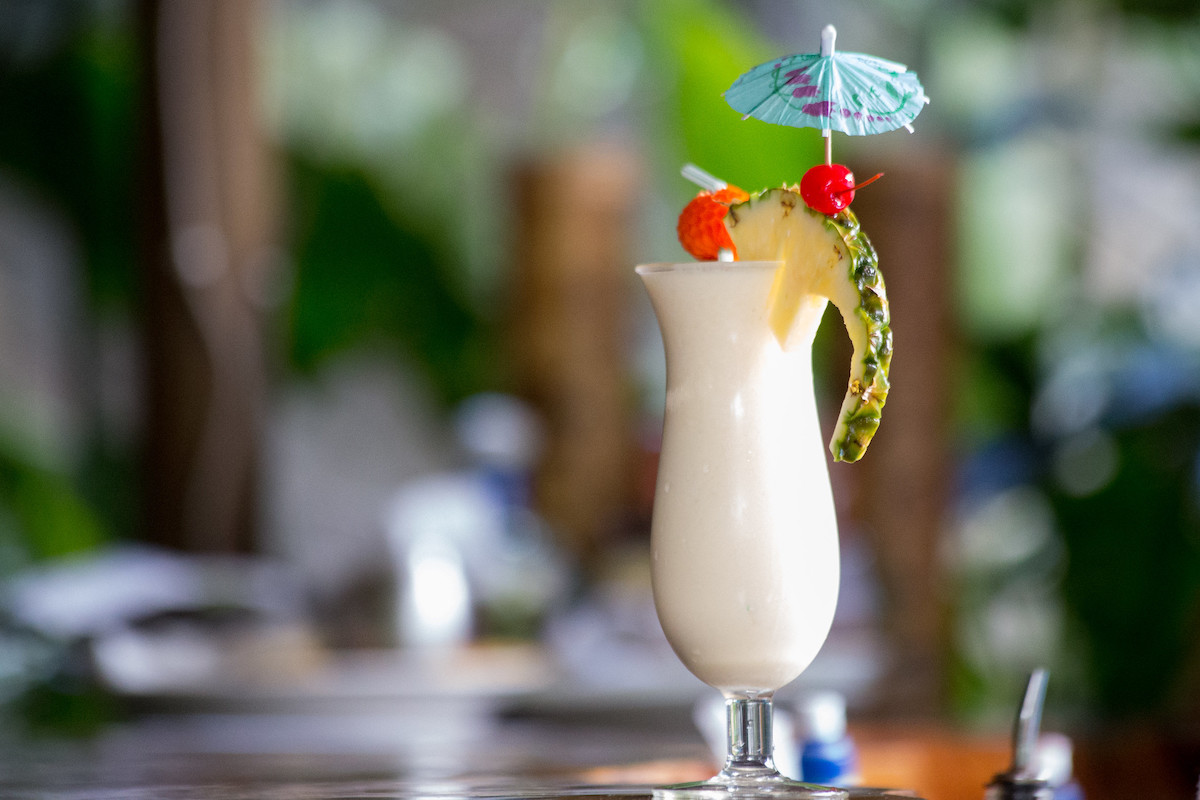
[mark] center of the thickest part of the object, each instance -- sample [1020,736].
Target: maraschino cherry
[829,188]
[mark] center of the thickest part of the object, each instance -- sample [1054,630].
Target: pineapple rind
[868,386]
[858,293]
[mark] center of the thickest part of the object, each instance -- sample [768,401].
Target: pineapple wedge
[825,259]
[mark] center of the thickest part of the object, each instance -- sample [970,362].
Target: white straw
[702,179]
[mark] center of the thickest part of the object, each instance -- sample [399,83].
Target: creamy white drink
[744,537]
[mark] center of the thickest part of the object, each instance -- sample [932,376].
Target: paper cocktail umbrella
[853,93]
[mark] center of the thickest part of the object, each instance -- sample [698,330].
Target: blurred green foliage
[1132,582]
[73,140]
[363,278]
[695,51]
[47,508]
[1020,12]
[70,71]
[996,383]
[1122,559]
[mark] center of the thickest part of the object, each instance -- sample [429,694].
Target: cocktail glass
[744,541]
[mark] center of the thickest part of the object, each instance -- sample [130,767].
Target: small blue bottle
[828,756]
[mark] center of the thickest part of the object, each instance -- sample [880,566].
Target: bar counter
[366,736]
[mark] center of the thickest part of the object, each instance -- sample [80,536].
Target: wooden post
[900,488]
[207,218]
[571,270]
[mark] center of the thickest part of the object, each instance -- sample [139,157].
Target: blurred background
[320,347]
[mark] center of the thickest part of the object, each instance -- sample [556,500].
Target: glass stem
[748,722]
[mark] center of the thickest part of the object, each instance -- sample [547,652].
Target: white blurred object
[821,716]
[431,524]
[1055,757]
[337,446]
[499,430]
[467,540]
[437,600]
[1054,762]
[44,402]
[89,595]
[85,596]
[154,620]
[827,754]
[709,715]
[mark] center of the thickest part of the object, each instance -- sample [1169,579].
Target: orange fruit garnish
[701,225]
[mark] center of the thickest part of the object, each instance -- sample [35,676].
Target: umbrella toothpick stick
[828,37]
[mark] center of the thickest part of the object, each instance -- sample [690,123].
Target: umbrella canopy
[853,93]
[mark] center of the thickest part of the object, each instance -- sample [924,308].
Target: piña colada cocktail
[744,541]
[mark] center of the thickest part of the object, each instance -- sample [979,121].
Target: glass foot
[771,786]
[777,787]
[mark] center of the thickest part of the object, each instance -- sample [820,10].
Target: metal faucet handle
[1021,782]
[1028,725]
